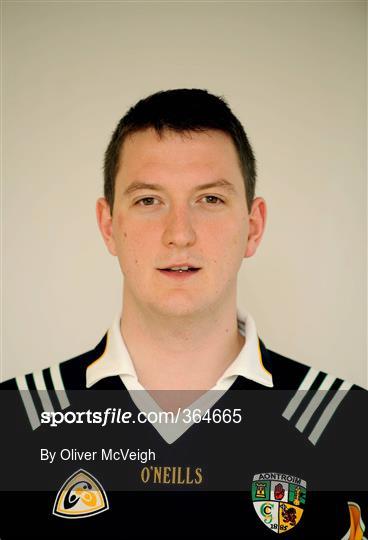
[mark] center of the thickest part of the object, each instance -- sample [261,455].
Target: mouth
[180,270]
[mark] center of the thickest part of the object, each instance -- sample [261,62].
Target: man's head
[181,222]
[182,111]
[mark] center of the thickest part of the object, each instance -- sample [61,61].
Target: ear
[104,220]
[256,225]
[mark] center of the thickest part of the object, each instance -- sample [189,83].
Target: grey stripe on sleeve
[28,403]
[42,391]
[300,393]
[57,381]
[329,411]
[315,402]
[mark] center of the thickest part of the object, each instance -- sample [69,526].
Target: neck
[188,352]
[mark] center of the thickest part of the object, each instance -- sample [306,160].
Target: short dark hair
[181,110]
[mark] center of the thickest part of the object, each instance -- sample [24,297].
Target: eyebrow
[135,186]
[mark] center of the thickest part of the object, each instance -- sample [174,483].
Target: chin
[177,309]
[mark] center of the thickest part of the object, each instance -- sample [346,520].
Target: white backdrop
[295,75]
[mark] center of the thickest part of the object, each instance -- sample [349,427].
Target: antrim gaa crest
[279,500]
[80,496]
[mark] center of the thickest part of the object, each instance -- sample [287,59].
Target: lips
[179,270]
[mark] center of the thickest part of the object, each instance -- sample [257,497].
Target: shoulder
[30,394]
[319,405]
[70,374]
[289,374]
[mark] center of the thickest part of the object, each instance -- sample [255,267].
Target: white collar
[115,360]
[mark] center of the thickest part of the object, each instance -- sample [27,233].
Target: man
[180,200]
[252,431]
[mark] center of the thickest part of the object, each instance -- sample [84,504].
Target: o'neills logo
[80,496]
[171,475]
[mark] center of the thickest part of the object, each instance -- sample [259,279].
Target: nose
[179,230]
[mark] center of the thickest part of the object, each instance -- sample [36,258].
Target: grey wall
[294,73]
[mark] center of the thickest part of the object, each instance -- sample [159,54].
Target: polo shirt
[116,361]
[296,463]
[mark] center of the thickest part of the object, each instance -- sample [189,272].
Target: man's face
[179,202]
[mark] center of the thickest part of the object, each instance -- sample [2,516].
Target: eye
[212,199]
[147,201]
